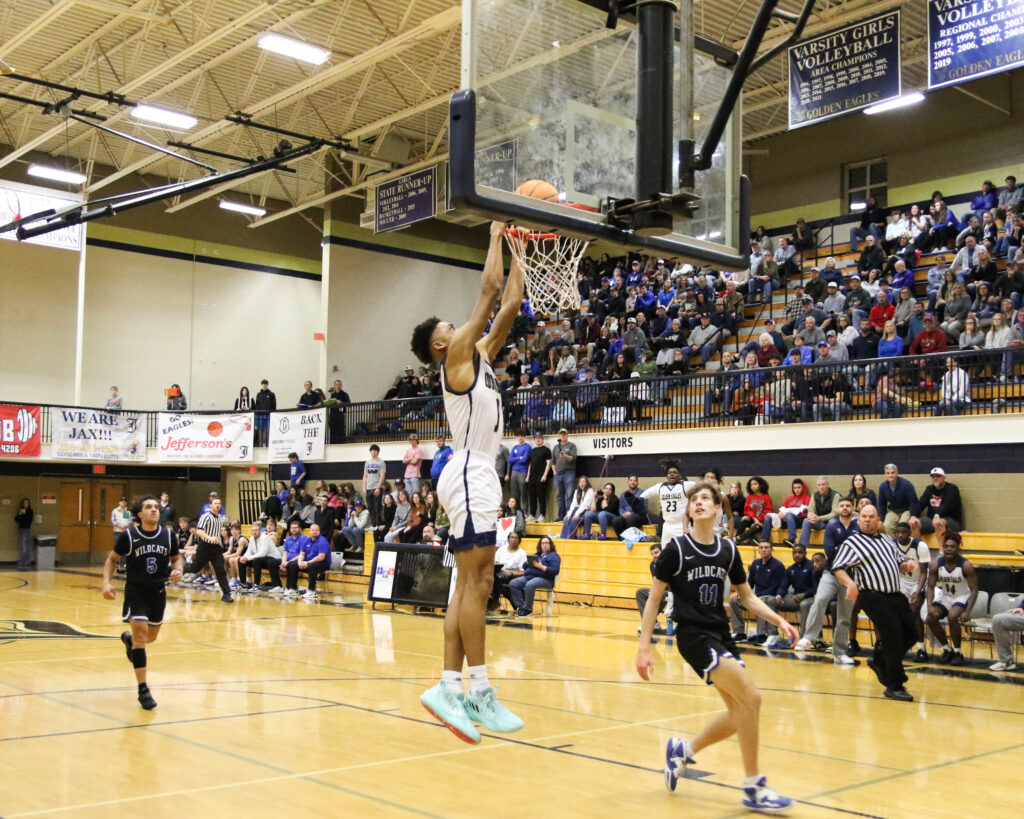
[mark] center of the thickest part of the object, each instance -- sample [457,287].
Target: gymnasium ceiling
[385,87]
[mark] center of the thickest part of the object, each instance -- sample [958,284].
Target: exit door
[85,508]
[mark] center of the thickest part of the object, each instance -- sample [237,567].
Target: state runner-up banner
[94,435]
[971,38]
[20,431]
[204,438]
[845,70]
[301,432]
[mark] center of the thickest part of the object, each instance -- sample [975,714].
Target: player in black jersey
[149,550]
[695,567]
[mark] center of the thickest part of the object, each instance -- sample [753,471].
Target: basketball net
[549,263]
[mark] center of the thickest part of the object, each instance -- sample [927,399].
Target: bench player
[952,590]
[695,566]
[913,585]
[149,550]
[469,490]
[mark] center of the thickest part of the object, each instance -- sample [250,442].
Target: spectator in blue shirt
[519,460]
[314,560]
[635,275]
[896,498]
[801,585]
[294,546]
[767,577]
[984,201]
[541,570]
[296,471]
[442,455]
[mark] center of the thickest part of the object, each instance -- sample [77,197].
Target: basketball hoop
[549,262]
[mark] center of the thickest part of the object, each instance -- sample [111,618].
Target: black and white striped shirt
[211,524]
[876,560]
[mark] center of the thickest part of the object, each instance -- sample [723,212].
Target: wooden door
[75,533]
[104,500]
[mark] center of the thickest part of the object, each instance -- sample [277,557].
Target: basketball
[538,189]
[215,428]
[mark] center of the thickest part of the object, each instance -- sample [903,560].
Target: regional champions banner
[204,438]
[971,38]
[845,70]
[94,435]
[301,432]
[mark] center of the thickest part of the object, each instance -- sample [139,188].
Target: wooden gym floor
[274,708]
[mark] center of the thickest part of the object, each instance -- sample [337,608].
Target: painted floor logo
[13,630]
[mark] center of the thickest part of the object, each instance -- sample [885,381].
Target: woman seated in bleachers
[983,272]
[996,338]
[846,331]
[919,223]
[872,282]
[511,510]
[540,573]
[401,517]
[983,306]
[904,310]
[582,501]
[757,505]
[859,489]
[413,531]
[954,312]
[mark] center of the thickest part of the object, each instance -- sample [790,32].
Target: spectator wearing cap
[660,324]
[563,458]
[777,340]
[833,305]
[634,341]
[763,279]
[541,339]
[858,300]
[837,351]
[1010,284]
[815,286]
[824,353]
[896,499]
[635,275]
[704,339]
[939,509]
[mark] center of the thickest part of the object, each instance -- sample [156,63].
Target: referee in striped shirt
[209,549]
[876,562]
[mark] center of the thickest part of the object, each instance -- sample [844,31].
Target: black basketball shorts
[704,648]
[144,603]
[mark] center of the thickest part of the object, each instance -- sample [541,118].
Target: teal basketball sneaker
[485,709]
[447,708]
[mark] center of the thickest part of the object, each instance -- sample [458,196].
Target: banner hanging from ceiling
[845,70]
[968,39]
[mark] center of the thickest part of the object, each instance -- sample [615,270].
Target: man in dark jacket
[632,507]
[871,257]
[939,509]
[822,508]
[767,577]
[896,499]
[872,223]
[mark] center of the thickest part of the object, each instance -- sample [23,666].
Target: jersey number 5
[708,594]
[151,565]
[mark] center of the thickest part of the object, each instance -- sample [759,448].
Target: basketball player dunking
[470,492]
[695,566]
[149,550]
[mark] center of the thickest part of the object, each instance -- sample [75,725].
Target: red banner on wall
[21,434]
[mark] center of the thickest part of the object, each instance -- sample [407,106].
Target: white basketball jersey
[916,550]
[673,502]
[474,415]
[952,581]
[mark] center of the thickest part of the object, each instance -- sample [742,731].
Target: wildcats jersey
[474,415]
[148,555]
[696,574]
[952,581]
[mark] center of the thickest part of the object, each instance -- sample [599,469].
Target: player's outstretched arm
[463,342]
[752,603]
[108,574]
[511,302]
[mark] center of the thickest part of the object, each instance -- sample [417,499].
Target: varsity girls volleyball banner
[204,438]
[845,70]
[971,38]
[301,432]
[20,431]
[92,435]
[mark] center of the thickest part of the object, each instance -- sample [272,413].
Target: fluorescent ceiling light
[293,48]
[252,210]
[56,174]
[162,116]
[900,102]
[858,205]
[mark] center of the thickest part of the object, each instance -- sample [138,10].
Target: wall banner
[845,70]
[301,432]
[93,435]
[21,434]
[968,39]
[204,438]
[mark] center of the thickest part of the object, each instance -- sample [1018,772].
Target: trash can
[46,552]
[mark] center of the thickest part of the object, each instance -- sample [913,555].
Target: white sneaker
[1001,666]
[530,519]
[291,592]
[771,642]
[277,591]
[540,519]
[803,644]
[842,659]
[310,594]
